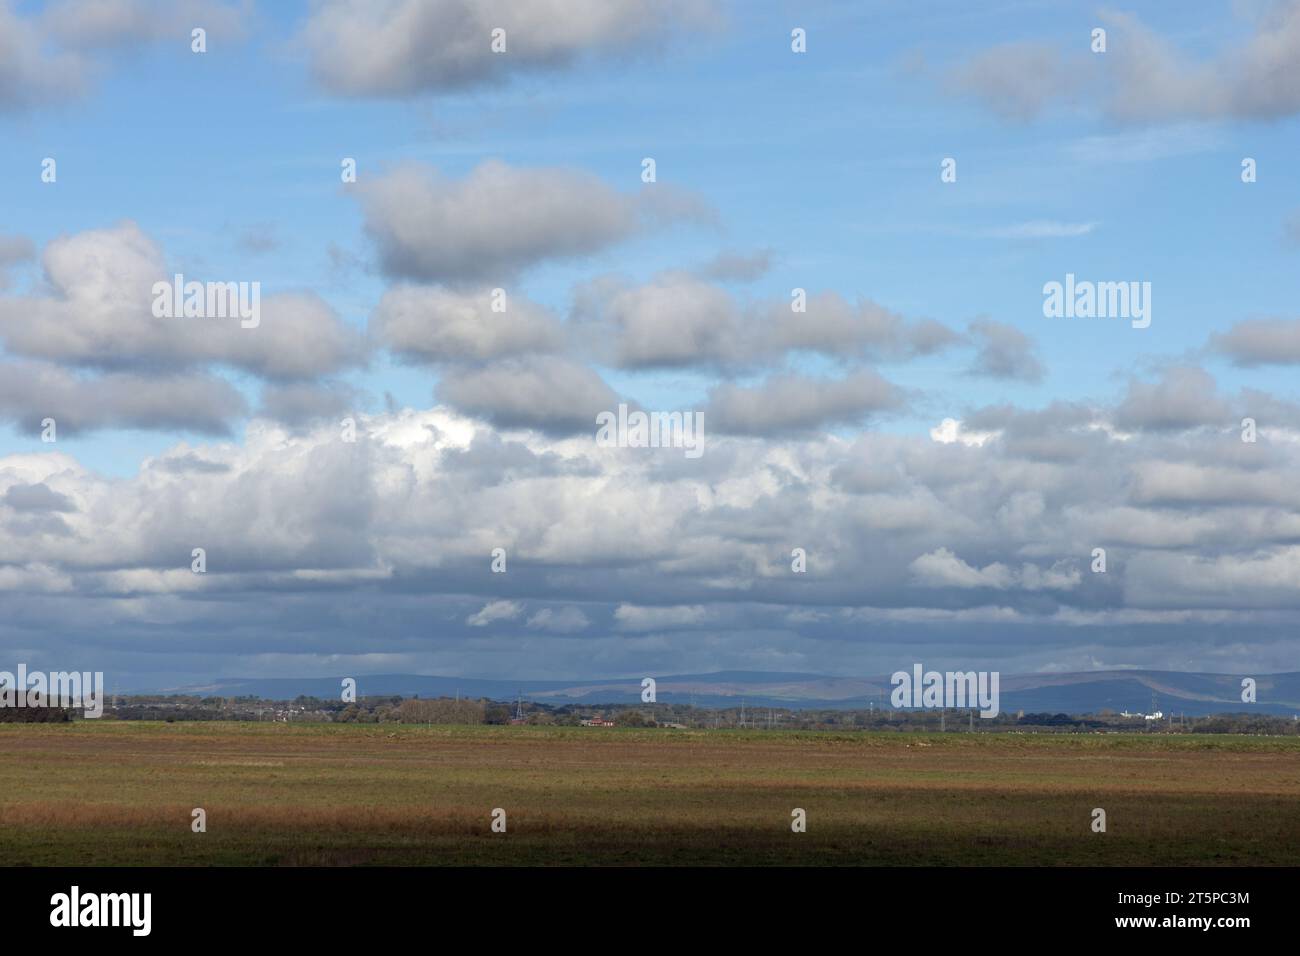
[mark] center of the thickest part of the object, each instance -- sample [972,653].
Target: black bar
[481,906]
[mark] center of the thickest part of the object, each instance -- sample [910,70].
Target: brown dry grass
[103,792]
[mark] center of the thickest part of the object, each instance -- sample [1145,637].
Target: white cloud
[1042,229]
[943,569]
[951,430]
[495,611]
[565,620]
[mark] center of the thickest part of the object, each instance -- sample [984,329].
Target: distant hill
[1176,692]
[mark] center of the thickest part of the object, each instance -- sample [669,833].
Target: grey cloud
[790,403]
[548,393]
[30,74]
[1019,80]
[563,620]
[98,313]
[182,463]
[31,392]
[298,403]
[1188,580]
[1260,342]
[1061,432]
[679,320]
[406,47]
[832,326]
[500,219]
[1031,422]
[490,460]
[13,250]
[346,549]
[105,24]
[431,324]
[1260,79]
[1144,78]
[53,55]
[300,337]
[1004,352]
[672,321]
[731,266]
[38,497]
[1164,483]
[1184,397]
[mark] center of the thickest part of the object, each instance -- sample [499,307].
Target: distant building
[597,722]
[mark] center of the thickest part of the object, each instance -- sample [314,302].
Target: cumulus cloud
[495,611]
[911,534]
[37,497]
[1004,352]
[300,403]
[434,324]
[404,47]
[972,537]
[951,430]
[1183,397]
[564,620]
[1260,342]
[13,250]
[943,569]
[30,74]
[677,319]
[1186,580]
[98,312]
[101,24]
[864,328]
[54,54]
[500,219]
[674,320]
[31,392]
[1146,78]
[1258,79]
[789,403]
[549,393]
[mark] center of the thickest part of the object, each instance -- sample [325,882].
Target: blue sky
[830,160]
[825,164]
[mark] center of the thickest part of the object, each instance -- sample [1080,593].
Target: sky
[948,457]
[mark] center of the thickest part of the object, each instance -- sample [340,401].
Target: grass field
[102,792]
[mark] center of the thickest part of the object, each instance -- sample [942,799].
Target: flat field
[119,793]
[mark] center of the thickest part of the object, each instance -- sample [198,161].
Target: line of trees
[441,711]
